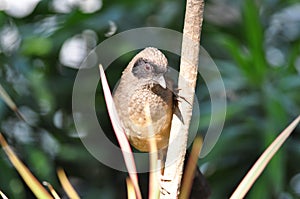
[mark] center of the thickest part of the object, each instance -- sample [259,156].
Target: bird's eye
[147,67]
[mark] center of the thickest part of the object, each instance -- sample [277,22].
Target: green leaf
[263,161]
[37,46]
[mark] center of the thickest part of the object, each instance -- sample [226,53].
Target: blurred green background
[256,46]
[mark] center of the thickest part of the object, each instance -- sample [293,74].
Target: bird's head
[150,65]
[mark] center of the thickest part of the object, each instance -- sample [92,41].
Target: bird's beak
[161,81]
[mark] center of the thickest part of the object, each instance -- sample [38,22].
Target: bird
[145,100]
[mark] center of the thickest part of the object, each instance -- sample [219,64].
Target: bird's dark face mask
[147,70]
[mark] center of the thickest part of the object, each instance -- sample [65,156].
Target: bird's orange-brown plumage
[145,104]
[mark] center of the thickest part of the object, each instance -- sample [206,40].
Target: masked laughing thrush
[145,101]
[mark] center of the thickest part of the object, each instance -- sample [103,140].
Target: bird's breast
[150,111]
